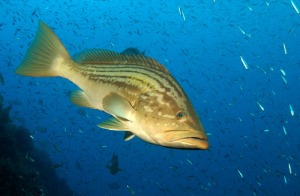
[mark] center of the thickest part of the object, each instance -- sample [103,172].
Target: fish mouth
[186,139]
[195,143]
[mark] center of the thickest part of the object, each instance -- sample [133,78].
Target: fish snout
[186,139]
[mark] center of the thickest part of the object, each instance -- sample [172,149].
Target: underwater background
[238,61]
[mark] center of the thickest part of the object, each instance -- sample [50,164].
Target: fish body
[114,165]
[140,93]
[2,81]
[56,165]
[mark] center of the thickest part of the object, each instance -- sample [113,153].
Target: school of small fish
[237,62]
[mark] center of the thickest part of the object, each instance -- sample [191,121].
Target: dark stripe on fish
[164,80]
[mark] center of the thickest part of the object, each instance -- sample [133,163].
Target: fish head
[170,122]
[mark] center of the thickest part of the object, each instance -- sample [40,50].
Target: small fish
[1,99]
[250,8]
[133,51]
[130,189]
[179,10]
[294,6]
[114,166]
[2,81]
[183,16]
[34,11]
[284,130]
[284,48]
[190,162]
[181,13]
[244,62]
[291,110]
[243,32]
[56,165]
[261,107]
[284,80]
[56,147]
[29,157]
[291,29]
[273,92]
[290,168]
[283,72]
[140,93]
[241,174]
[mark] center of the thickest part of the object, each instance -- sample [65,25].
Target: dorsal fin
[100,56]
[133,51]
[95,56]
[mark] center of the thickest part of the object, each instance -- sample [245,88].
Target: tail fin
[45,55]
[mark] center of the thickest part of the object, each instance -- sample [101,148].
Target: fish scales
[131,80]
[133,75]
[144,99]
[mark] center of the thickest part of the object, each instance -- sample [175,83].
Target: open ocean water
[237,60]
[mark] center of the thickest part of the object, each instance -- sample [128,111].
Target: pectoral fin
[113,124]
[118,106]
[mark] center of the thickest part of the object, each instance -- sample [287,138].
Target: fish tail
[45,56]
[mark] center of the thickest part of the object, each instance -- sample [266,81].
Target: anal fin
[81,99]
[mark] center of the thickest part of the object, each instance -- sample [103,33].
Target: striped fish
[140,93]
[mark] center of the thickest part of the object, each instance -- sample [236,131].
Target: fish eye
[181,115]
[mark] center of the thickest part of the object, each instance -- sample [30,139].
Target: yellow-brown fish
[140,93]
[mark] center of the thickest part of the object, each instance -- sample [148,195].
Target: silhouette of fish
[114,165]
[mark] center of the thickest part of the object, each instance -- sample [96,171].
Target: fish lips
[186,139]
[194,143]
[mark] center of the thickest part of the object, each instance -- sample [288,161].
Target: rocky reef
[24,169]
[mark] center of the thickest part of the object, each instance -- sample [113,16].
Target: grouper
[140,94]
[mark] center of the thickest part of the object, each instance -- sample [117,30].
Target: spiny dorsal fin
[133,51]
[96,56]
[100,56]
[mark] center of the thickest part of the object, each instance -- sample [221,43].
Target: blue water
[253,150]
